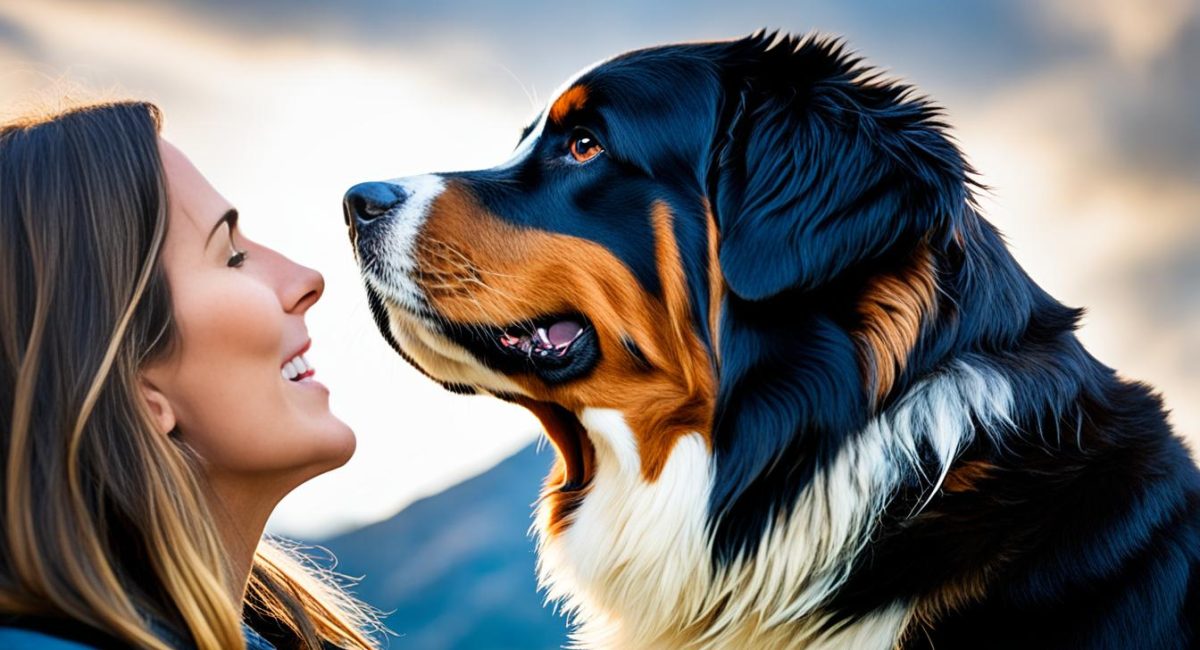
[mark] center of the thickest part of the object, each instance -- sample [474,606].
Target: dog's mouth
[555,348]
[541,340]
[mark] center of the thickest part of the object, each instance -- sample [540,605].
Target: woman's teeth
[292,370]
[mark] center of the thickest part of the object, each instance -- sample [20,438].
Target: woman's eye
[584,146]
[237,256]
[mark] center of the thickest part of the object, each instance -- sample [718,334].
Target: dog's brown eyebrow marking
[572,99]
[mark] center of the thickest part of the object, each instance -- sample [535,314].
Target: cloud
[1133,33]
[15,37]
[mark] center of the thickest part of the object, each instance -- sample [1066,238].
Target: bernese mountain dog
[801,394]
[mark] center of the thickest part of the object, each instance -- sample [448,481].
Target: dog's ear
[822,177]
[821,166]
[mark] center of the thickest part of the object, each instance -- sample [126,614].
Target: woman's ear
[158,405]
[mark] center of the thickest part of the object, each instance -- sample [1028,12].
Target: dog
[801,394]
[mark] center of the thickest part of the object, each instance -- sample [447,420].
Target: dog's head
[734,239]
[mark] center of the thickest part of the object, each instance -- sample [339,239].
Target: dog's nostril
[367,201]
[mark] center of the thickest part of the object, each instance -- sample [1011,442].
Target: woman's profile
[155,402]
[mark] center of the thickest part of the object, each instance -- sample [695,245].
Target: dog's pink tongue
[563,332]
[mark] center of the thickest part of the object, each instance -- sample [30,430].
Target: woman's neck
[241,512]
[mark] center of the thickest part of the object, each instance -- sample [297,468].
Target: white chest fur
[634,567]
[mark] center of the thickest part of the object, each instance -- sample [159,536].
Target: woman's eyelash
[239,256]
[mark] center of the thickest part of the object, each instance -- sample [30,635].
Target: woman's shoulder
[15,638]
[24,632]
[38,633]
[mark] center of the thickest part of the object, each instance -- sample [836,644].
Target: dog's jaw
[442,359]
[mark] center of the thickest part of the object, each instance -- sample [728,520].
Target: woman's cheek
[232,342]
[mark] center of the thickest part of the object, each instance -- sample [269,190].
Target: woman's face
[237,385]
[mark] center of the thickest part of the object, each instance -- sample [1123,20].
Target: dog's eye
[584,146]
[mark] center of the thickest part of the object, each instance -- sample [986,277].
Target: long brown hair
[105,520]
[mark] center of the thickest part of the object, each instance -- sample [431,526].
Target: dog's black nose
[366,202]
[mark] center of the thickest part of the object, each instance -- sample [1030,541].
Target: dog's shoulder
[1098,544]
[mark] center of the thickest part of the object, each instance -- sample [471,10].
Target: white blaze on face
[393,267]
[525,146]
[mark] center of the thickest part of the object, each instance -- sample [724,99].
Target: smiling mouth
[297,368]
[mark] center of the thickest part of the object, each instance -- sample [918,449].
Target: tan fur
[572,99]
[893,309]
[478,269]
[965,476]
[948,598]
[716,283]
[966,588]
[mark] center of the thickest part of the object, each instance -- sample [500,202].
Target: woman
[155,402]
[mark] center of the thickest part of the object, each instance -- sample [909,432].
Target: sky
[1082,117]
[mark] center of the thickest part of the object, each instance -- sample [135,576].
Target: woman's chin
[348,442]
[315,446]
[340,443]
[334,444]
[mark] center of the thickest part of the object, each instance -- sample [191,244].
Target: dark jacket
[36,633]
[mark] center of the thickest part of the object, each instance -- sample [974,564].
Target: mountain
[456,570]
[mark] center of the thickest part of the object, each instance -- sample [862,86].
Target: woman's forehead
[190,194]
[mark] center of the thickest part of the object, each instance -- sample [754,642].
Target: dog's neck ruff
[635,569]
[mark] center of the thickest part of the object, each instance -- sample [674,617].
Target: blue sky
[1081,115]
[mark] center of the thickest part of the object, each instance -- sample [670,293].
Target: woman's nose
[305,289]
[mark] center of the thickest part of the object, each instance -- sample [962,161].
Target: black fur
[1085,531]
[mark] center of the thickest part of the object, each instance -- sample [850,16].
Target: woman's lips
[298,368]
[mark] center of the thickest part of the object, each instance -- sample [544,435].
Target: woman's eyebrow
[229,217]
